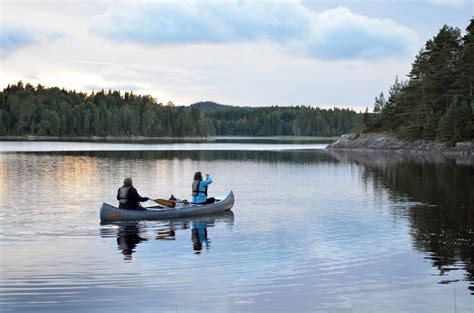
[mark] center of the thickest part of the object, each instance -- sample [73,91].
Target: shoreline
[92,138]
[186,138]
[388,143]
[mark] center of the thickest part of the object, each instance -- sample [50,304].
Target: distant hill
[208,106]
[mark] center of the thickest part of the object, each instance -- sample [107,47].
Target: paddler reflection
[127,239]
[129,234]
[199,236]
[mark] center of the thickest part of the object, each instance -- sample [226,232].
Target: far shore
[142,138]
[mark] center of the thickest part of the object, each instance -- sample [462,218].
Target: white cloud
[333,34]
[120,87]
[121,73]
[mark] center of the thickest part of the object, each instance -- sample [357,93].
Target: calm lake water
[311,230]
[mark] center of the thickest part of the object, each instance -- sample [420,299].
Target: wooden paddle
[164,202]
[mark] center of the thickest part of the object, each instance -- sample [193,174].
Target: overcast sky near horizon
[320,53]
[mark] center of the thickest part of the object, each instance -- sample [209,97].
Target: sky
[248,53]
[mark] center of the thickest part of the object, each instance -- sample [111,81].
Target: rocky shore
[384,142]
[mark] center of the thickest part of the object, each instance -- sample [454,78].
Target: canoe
[111,213]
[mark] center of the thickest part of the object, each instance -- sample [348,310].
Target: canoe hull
[111,213]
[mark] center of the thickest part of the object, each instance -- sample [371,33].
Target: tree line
[37,110]
[28,110]
[436,102]
[285,121]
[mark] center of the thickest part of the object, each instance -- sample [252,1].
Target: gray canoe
[110,213]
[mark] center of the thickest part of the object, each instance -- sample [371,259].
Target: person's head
[198,176]
[127,182]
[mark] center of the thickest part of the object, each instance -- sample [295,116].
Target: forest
[277,121]
[436,102]
[37,110]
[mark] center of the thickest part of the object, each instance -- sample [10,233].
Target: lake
[310,231]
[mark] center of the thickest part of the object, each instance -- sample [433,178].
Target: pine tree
[465,82]
[440,78]
[452,125]
[380,103]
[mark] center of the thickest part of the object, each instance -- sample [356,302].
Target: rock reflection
[443,225]
[130,234]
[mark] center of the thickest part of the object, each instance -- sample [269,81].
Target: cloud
[341,34]
[121,87]
[12,38]
[119,77]
[454,3]
[117,72]
[333,34]
[200,22]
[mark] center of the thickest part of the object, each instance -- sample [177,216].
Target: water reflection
[442,225]
[199,236]
[332,233]
[128,237]
[290,156]
[219,139]
[130,234]
[166,234]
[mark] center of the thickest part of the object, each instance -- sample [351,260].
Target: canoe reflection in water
[130,234]
[166,234]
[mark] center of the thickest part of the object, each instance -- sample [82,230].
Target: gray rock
[384,142]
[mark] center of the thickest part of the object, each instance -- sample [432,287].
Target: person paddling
[199,195]
[128,196]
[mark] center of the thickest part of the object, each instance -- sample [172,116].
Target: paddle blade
[164,202]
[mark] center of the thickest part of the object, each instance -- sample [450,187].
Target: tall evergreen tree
[465,81]
[428,105]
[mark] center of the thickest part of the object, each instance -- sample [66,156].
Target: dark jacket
[133,199]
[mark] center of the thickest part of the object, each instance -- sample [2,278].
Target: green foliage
[430,125]
[465,80]
[26,110]
[49,124]
[282,121]
[456,124]
[437,100]
[3,128]
[380,103]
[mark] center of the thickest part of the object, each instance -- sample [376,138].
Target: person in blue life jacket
[199,195]
[128,196]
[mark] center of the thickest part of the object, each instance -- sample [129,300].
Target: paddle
[164,202]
